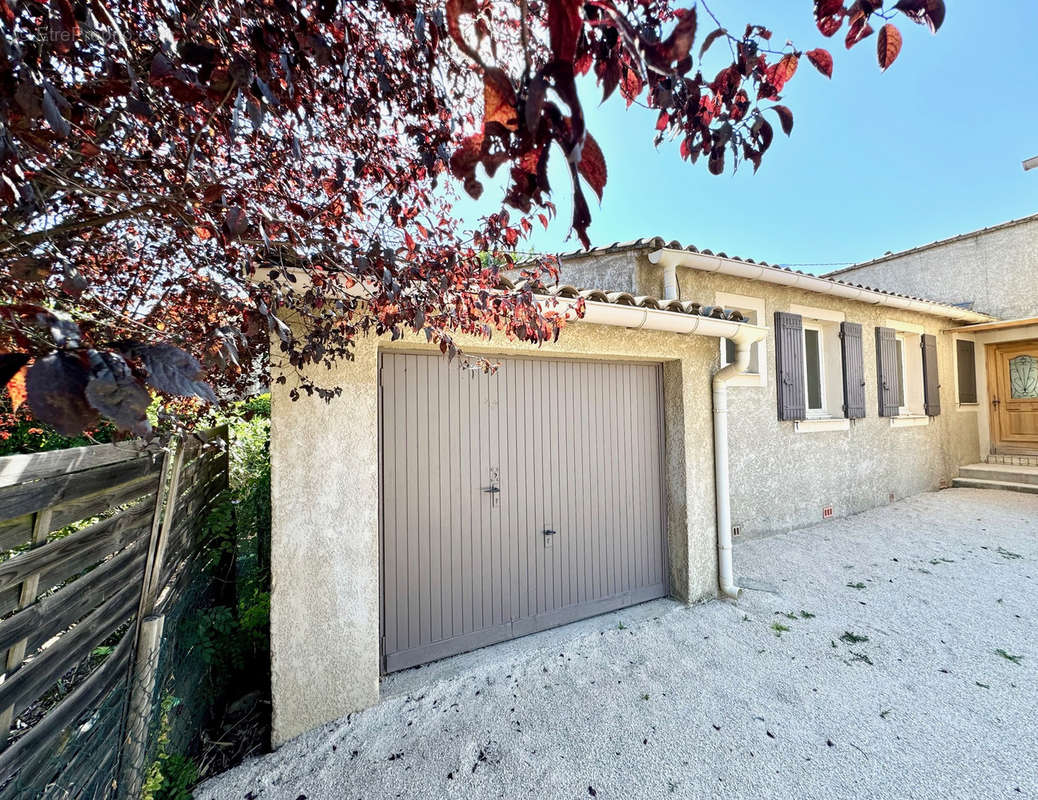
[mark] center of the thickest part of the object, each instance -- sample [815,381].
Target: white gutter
[670,258]
[639,318]
[744,335]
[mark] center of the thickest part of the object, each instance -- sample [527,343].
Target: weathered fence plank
[37,675]
[25,498]
[16,532]
[21,760]
[70,593]
[33,466]
[52,614]
[80,549]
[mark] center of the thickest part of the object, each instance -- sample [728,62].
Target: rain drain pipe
[722,492]
[743,335]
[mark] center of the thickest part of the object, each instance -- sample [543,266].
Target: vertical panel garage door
[516,501]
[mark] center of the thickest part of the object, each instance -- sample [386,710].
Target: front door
[1014,397]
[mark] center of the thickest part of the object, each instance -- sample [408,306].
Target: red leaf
[686,147]
[781,72]
[785,118]
[923,12]
[829,16]
[822,60]
[63,26]
[662,120]
[679,43]
[631,85]
[499,99]
[888,45]
[10,364]
[564,24]
[544,220]
[858,30]
[16,389]
[409,241]
[710,39]
[592,165]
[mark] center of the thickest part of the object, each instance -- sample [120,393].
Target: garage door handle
[550,533]
[492,490]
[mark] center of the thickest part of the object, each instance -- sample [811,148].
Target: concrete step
[977,483]
[1012,460]
[998,472]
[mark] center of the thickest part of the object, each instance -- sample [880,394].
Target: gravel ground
[894,655]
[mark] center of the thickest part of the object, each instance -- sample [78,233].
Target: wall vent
[827,512]
[736,530]
[891,498]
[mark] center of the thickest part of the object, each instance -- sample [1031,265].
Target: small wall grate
[827,512]
[736,530]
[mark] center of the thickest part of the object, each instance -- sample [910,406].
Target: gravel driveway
[891,654]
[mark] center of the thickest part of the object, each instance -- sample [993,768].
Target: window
[966,371]
[823,363]
[753,309]
[813,370]
[910,393]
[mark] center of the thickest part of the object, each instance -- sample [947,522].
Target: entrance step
[1000,473]
[1012,460]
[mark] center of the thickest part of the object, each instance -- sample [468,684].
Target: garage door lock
[548,536]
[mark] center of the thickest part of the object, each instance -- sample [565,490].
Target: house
[431,510]
[994,270]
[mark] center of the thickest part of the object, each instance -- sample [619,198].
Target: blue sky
[877,161]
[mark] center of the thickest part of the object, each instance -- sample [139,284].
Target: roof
[939,243]
[687,307]
[657,243]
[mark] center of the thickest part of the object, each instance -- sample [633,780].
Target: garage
[515,501]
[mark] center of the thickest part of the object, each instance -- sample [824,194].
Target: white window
[823,361]
[910,399]
[753,309]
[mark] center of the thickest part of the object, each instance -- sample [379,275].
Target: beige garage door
[516,501]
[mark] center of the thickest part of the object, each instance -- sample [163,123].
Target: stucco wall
[324,559]
[996,270]
[781,479]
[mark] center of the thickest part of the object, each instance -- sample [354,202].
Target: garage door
[516,501]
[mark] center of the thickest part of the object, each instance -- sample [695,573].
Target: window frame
[910,337]
[827,322]
[823,412]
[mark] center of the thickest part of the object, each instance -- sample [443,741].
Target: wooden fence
[94,543]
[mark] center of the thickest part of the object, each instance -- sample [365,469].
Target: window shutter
[853,370]
[965,356]
[931,386]
[789,362]
[889,382]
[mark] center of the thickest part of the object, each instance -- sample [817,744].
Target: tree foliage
[178,177]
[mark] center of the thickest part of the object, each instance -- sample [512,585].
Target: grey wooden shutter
[889,381]
[853,370]
[931,384]
[789,363]
[966,357]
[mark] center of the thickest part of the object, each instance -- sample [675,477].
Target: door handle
[995,401]
[491,490]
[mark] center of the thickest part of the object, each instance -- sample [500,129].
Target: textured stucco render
[781,479]
[995,270]
[325,497]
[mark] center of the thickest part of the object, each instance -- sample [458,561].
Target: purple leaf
[55,385]
[116,393]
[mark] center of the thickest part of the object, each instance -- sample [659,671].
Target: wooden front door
[1014,396]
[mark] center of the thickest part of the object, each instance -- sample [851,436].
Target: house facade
[994,270]
[431,509]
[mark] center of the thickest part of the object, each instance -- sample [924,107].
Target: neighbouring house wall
[995,270]
[325,504]
[782,479]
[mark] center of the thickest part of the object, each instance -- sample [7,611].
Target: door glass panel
[1023,377]
[812,357]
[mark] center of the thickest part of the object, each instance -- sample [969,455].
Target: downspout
[743,342]
[670,281]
